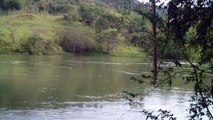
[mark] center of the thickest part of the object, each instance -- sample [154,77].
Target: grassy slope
[16,27]
[23,25]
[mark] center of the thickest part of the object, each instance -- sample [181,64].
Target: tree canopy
[190,23]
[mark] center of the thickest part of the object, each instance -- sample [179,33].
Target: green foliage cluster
[5,46]
[107,40]
[78,38]
[10,4]
[35,45]
[72,13]
[101,18]
[191,29]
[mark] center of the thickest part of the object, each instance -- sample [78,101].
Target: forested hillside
[51,26]
[77,26]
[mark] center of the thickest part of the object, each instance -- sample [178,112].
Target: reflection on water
[77,88]
[176,101]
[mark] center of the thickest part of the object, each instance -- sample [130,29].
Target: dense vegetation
[191,30]
[97,26]
[52,27]
[187,33]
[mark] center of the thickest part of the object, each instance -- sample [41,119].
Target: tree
[78,38]
[72,13]
[107,40]
[10,4]
[152,17]
[154,43]
[184,15]
[123,6]
[101,18]
[137,30]
[190,26]
[90,13]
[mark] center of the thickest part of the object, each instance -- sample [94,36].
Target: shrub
[78,39]
[72,13]
[10,4]
[5,46]
[107,40]
[35,45]
[101,18]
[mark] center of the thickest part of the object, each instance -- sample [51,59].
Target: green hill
[76,27]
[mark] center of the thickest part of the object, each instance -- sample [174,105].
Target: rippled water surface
[79,88]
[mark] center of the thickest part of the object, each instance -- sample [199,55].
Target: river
[69,87]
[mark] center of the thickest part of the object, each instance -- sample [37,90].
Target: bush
[72,13]
[10,4]
[138,30]
[5,46]
[35,45]
[78,39]
[167,49]
[101,18]
[107,40]
[90,13]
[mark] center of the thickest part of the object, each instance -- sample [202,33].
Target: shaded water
[78,88]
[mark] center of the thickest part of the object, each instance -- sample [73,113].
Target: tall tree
[154,43]
[190,26]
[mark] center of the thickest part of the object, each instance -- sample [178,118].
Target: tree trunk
[154,43]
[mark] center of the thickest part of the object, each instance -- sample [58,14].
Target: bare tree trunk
[154,43]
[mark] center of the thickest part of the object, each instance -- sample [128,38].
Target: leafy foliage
[78,39]
[137,29]
[6,45]
[161,115]
[167,49]
[189,25]
[34,45]
[101,18]
[123,6]
[72,13]
[108,39]
[10,4]
[185,15]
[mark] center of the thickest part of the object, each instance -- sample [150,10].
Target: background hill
[76,26]
[49,27]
